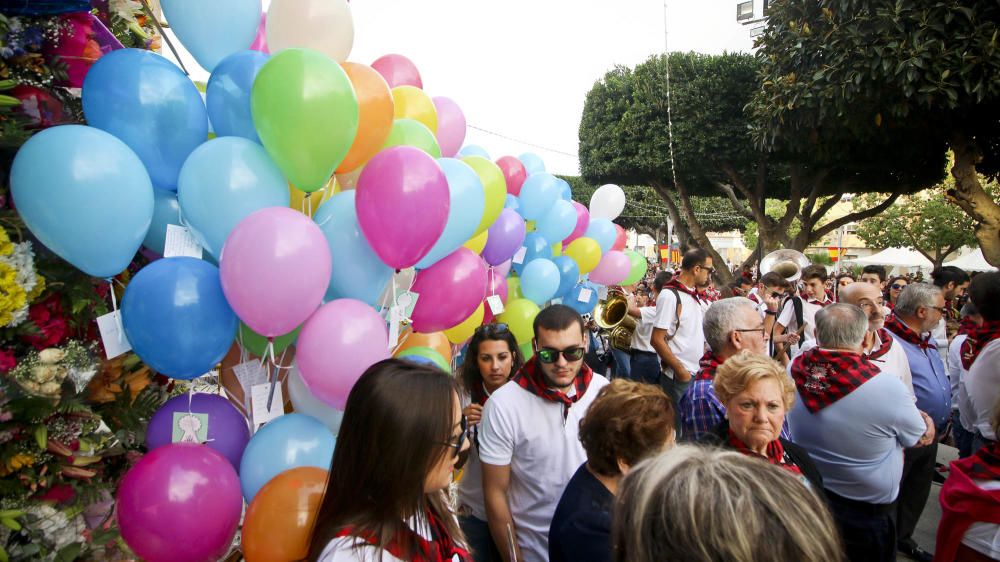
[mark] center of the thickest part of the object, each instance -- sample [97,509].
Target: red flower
[7,360]
[60,494]
[47,315]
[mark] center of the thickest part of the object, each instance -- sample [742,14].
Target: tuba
[786,263]
[612,316]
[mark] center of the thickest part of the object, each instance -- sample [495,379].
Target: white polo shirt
[644,330]
[688,341]
[983,387]
[787,319]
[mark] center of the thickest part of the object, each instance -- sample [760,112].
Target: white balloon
[322,25]
[305,403]
[607,202]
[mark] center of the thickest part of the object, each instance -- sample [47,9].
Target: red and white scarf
[441,549]
[775,453]
[707,366]
[698,296]
[977,339]
[885,339]
[530,378]
[824,376]
[905,333]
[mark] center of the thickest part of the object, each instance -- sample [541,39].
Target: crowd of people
[778,419]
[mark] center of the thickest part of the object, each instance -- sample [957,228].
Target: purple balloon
[451,126]
[582,222]
[613,268]
[450,291]
[180,503]
[402,204]
[504,238]
[228,432]
[275,269]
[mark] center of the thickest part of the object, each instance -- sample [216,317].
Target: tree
[856,72]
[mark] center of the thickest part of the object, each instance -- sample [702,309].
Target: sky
[521,69]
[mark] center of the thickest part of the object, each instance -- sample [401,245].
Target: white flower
[51,355]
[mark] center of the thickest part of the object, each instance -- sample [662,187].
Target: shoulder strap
[677,312]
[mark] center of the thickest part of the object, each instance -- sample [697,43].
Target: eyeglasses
[897,286]
[940,309]
[777,295]
[710,270]
[549,355]
[761,330]
[459,441]
[493,329]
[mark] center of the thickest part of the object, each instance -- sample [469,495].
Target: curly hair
[745,368]
[628,421]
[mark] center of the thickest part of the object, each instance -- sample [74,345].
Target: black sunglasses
[459,442]
[896,286]
[548,355]
[493,329]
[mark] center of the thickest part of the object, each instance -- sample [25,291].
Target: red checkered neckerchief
[985,463]
[775,453]
[977,340]
[753,297]
[885,338]
[905,333]
[806,298]
[696,295]
[530,378]
[442,549]
[966,325]
[707,366]
[823,376]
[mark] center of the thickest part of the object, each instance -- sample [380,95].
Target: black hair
[984,292]
[661,280]
[557,318]
[694,258]
[877,270]
[949,274]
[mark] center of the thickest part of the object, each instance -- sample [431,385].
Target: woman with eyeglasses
[892,290]
[398,448]
[491,359]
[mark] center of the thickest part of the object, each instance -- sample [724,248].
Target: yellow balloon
[586,252]
[411,102]
[529,226]
[519,315]
[494,186]
[557,249]
[514,288]
[307,203]
[477,242]
[464,331]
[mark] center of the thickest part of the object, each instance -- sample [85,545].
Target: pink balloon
[336,345]
[398,71]
[497,285]
[613,268]
[620,238]
[402,203]
[451,126]
[514,172]
[260,42]
[181,502]
[582,222]
[450,291]
[275,269]
[503,270]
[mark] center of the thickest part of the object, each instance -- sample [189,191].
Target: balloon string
[309,202]
[114,310]
[270,353]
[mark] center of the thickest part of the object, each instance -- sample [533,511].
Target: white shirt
[761,306]
[940,336]
[688,341]
[983,387]
[984,537]
[955,370]
[352,549]
[543,451]
[788,320]
[644,330]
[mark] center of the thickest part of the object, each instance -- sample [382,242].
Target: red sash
[903,332]
[977,339]
[530,379]
[886,339]
[441,549]
[696,295]
[775,453]
[707,366]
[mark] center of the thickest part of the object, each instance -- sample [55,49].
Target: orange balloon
[375,114]
[435,340]
[348,180]
[280,518]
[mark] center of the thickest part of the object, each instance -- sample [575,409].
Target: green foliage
[820,258]
[774,209]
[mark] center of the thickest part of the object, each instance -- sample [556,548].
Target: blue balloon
[222,182]
[468,201]
[566,192]
[603,232]
[511,202]
[474,150]
[166,210]
[176,317]
[146,101]
[569,274]
[540,281]
[288,442]
[211,31]
[533,163]
[538,193]
[536,247]
[85,195]
[558,223]
[586,305]
[227,96]
[357,271]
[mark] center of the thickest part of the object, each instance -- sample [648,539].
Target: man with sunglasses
[529,436]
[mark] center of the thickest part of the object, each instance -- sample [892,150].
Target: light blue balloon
[533,163]
[540,281]
[211,31]
[146,101]
[558,223]
[585,306]
[357,271]
[468,201]
[569,274]
[222,182]
[511,202]
[85,195]
[227,96]
[288,442]
[538,193]
[566,192]
[166,210]
[474,150]
[603,231]
[536,247]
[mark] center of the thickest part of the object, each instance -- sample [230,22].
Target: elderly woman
[757,393]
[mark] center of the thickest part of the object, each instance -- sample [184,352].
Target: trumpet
[612,316]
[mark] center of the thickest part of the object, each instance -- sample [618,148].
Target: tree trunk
[680,227]
[698,234]
[973,199]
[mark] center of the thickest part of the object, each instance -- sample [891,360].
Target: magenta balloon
[398,71]
[451,126]
[496,285]
[402,204]
[513,172]
[180,503]
[582,222]
[275,269]
[260,42]
[504,238]
[613,268]
[450,291]
[342,339]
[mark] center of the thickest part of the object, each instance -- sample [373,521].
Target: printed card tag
[112,334]
[190,427]
[395,318]
[405,302]
[261,413]
[602,293]
[180,242]
[556,301]
[519,256]
[585,295]
[250,374]
[495,304]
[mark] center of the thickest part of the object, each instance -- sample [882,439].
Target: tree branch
[857,216]
[827,206]
[738,205]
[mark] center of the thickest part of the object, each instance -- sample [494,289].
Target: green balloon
[514,288]
[257,344]
[639,266]
[527,350]
[426,353]
[306,114]
[410,132]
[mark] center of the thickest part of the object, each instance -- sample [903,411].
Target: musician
[798,314]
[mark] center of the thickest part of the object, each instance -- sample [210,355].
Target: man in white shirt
[880,347]
[528,440]
[645,363]
[953,282]
[962,429]
[981,356]
[791,320]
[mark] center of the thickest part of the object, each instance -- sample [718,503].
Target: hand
[630,300]
[928,437]
[473,413]
[772,302]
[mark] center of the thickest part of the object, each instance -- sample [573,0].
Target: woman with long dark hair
[892,290]
[397,450]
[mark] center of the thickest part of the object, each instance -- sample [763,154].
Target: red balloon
[620,238]
[513,172]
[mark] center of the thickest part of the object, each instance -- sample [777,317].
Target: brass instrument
[786,263]
[612,316]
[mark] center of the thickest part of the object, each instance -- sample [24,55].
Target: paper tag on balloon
[557,300]
[585,295]
[602,293]
[181,243]
[249,374]
[495,304]
[405,302]
[519,256]
[261,413]
[190,428]
[394,319]
[112,336]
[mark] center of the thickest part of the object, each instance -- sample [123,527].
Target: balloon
[410,132]
[275,270]
[179,503]
[613,268]
[585,252]
[375,114]
[228,432]
[513,172]
[565,191]
[342,339]
[466,204]
[503,269]
[309,203]
[357,272]
[286,442]
[434,340]
[511,202]
[505,237]
[557,249]
[257,344]
[514,288]
[279,521]
[260,40]
[607,202]
[603,232]
[581,301]
[348,180]
[519,316]
[211,31]
[176,317]
[148,103]
[451,125]
[569,274]
[558,222]
[305,110]
[398,71]
[450,290]
[166,210]
[582,222]
[478,242]
[410,102]
[425,355]
[497,285]
[527,350]
[533,163]
[227,95]
[402,205]
[321,25]
[540,281]
[620,238]
[637,269]
[224,181]
[493,187]
[537,196]
[535,247]
[473,150]
[305,403]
